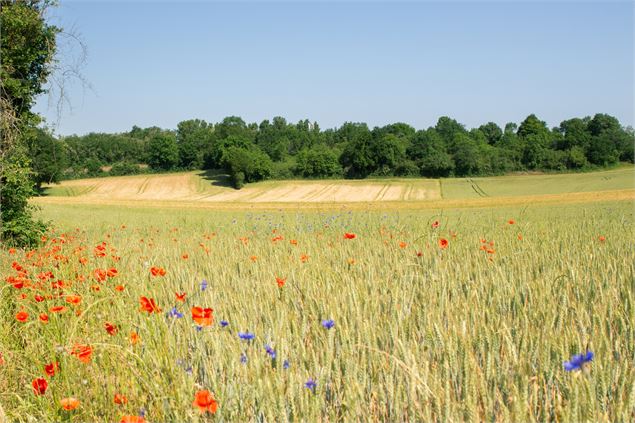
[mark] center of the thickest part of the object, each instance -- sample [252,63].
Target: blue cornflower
[199,328]
[175,313]
[247,336]
[310,384]
[328,324]
[243,358]
[578,361]
[285,364]
[142,412]
[271,352]
[224,323]
[204,285]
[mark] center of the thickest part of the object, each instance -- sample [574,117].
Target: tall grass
[421,332]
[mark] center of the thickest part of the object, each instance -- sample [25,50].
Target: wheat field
[438,314]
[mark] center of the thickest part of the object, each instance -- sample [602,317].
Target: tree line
[278,149]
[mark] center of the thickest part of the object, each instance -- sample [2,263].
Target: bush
[124,168]
[407,168]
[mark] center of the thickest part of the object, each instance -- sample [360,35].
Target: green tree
[27,44]
[192,136]
[48,157]
[163,152]
[317,162]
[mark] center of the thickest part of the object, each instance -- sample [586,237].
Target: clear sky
[157,63]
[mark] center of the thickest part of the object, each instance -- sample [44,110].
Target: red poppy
[69,404]
[39,386]
[38,298]
[185,256]
[253,258]
[293,242]
[280,282]
[202,316]
[83,352]
[435,224]
[134,338]
[73,299]
[51,368]
[22,316]
[100,274]
[402,244]
[180,297]
[112,272]
[148,304]
[120,399]
[110,328]
[157,271]
[304,258]
[204,401]
[511,221]
[44,318]
[132,419]
[443,243]
[120,288]
[349,235]
[602,238]
[57,309]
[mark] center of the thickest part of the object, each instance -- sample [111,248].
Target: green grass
[441,335]
[507,186]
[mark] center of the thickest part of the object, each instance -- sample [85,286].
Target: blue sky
[157,63]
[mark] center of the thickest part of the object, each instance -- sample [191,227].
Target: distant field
[509,186]
[195,189]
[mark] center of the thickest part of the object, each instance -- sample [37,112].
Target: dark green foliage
[48,157]
[246,165]
[124,168]
[318,162]
[28,49]
[192,136]
[163,153]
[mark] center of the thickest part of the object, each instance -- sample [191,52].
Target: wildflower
[293,242]
[83,352]
[443,243]
[203,285]
[285,364]
[243,358]
[578,361]
[205,402]
[57,309]
[328,324]
[69,404]
[22,316]
[149,305]
[110,328]
[134,338]
[280,281]
[175,313]
[51,368]
[120,399]
[246,336]
[349,235]
[157,271]
[73,299]
[310,384]
[119,288]
[402,244]
[202,316]
[271,352]
[224,323]
[511,221]
[39,386]
[180,297]
[435,224]
[601,238]
[44,318]
[304,258]
[132,419]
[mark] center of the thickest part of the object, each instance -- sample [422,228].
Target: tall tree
[27,49]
